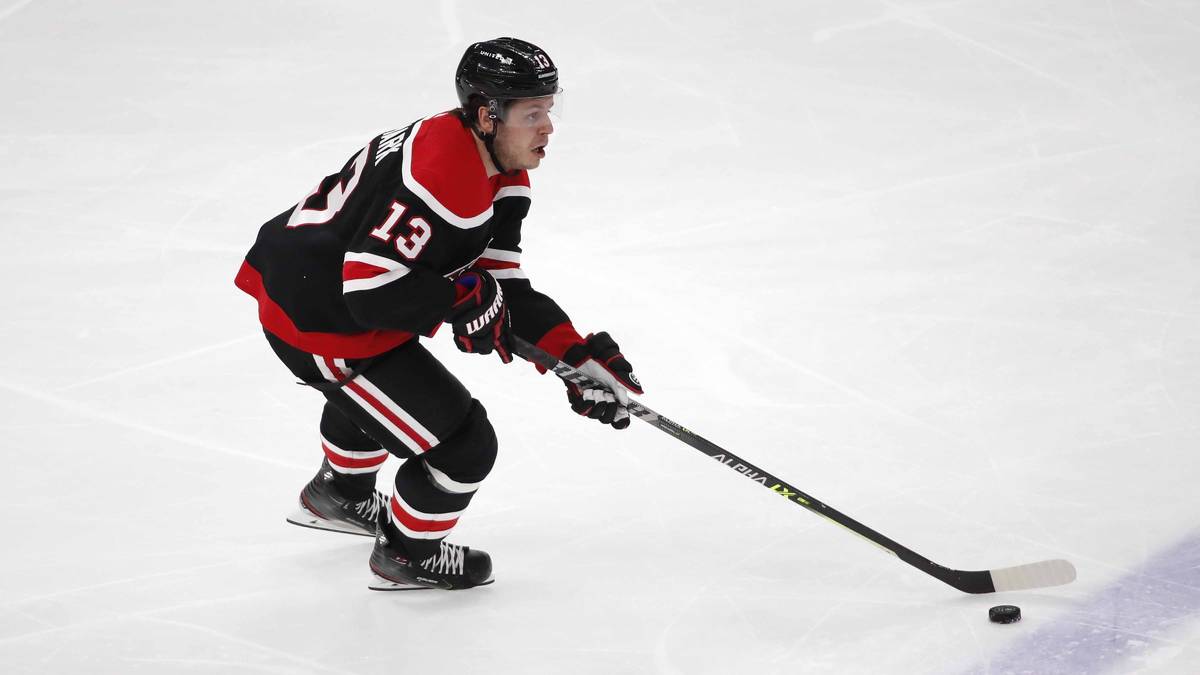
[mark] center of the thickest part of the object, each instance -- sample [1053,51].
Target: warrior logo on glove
[479,315]
[488,316]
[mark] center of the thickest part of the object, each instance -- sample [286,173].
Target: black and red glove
[600,358]
[479,316]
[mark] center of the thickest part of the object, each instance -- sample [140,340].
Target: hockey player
[421,227]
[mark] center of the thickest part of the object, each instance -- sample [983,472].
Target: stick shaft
[966,581]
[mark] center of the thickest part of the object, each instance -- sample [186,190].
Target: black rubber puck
[1004,614]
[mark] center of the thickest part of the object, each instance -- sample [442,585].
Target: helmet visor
[534,111]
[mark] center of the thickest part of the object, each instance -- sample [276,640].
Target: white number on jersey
[410,246]
[334,200]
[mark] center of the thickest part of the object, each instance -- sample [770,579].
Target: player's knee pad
[459,463]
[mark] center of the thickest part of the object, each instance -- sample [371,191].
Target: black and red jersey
[367,260]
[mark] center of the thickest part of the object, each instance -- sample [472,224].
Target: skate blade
[378,583]
[381,584]
[305,518]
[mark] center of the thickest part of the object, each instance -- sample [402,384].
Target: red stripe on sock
[420,524]
[349,462]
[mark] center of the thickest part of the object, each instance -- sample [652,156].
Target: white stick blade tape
[1033,575]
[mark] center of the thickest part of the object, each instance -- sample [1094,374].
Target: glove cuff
[576,355]
[468,294]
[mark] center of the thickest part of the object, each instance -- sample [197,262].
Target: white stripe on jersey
[372,259]
[395,270]
[512,273]
[373,282]
[502,255]
[513,191]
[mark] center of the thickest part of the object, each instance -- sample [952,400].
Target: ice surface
[935,263]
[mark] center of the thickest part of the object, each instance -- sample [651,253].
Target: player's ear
[483,121]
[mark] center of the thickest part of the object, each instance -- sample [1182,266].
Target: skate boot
[323,507]
[453,568]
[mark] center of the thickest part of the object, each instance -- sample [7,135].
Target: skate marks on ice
[167,360]
[14,8]
[92,412]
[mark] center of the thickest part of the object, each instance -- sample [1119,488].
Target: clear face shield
[533,112]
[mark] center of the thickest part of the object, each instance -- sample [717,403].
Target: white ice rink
[936,263]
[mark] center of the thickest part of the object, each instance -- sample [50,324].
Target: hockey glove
[600,358]
[479,315]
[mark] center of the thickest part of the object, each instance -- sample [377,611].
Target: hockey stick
[1021,577]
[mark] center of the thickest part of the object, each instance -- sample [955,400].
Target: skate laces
[449,560]
[369,508]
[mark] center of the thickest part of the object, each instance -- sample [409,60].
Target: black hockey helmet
[496,71]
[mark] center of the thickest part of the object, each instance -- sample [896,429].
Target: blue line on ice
[1131,616]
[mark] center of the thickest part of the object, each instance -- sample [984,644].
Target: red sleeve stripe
[499,259]
[502,255]
[489,264]
[364,271]
[352,271]
[366,284]
[559,339]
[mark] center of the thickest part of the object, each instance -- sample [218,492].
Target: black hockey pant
[405,403]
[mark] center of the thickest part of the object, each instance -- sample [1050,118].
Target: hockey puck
[1004,614]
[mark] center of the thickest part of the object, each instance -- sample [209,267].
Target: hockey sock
[353,455]
[422,514]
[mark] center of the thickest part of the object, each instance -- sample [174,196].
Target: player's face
[521,140]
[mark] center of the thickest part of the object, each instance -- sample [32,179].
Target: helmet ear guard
[470,110]
[470,116]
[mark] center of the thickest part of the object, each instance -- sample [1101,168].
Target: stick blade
[1033,575]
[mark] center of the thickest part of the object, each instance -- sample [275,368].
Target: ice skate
[323,507]
[453,568]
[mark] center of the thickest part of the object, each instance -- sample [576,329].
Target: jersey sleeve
[389,271]
[536,317]
[384,292]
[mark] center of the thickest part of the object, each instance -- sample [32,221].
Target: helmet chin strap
[489,142]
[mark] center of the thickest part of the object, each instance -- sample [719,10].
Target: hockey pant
[406,403]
